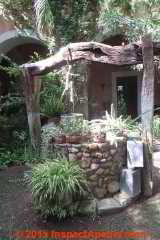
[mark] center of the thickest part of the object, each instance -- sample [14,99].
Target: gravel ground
[16,212]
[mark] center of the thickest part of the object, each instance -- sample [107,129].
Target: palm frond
[44,17]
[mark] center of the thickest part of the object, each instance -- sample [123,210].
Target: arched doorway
[18,49]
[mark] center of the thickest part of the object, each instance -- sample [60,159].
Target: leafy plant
[56,185]
[131,18]
[74,126]
[52,107]
[31,156]
[50,98]
[11,103]
[112,126]
[48,132]
[9,157]
[51,85]
[13,69]
[119,125]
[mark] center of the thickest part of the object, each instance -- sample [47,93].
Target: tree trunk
[147,105]
[32,94]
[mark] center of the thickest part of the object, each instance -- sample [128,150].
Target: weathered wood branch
[147,103]
[91,51]
[32,85]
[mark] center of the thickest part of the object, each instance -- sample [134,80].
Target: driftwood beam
[147,103]
[92,51]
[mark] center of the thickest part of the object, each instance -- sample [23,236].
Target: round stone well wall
[102,163]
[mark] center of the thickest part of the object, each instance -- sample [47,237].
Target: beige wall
[100,80]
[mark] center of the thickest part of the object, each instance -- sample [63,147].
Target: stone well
[102,163]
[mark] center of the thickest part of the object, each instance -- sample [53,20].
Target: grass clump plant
[119,125]
[56,185]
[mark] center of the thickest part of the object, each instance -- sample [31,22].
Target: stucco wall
[100,77]
[100,89]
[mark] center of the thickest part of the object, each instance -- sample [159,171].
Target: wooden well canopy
[130,54]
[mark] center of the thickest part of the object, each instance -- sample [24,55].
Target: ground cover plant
[56,186]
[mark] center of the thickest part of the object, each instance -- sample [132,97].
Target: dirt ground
[17,213]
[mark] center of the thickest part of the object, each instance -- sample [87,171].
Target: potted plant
[73,130]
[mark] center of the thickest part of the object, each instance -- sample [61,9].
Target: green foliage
[13,119]
[31,156]
[50,98]
[48,133]
[44,18]
[12,11]
[13,130]
[74,126]
[119,125]
[11,157]
[52,107]
[55,185]
[13,70]
[131,18]
[156,126]
[11,103]
[69,21]
[12,142]
[52,85]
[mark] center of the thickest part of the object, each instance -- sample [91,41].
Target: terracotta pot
[60,139]
[86,137]
[74,139]
[98,138]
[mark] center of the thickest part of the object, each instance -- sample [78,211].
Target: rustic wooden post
[147,105]
[32,85]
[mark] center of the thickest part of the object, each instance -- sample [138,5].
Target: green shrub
[52,107]
[56,185]
[31,156]
[119,125]
[47,134]
[74,126]
[11,157]
[50,98]
[11,103]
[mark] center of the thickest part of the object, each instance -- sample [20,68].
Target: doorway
[126,91]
